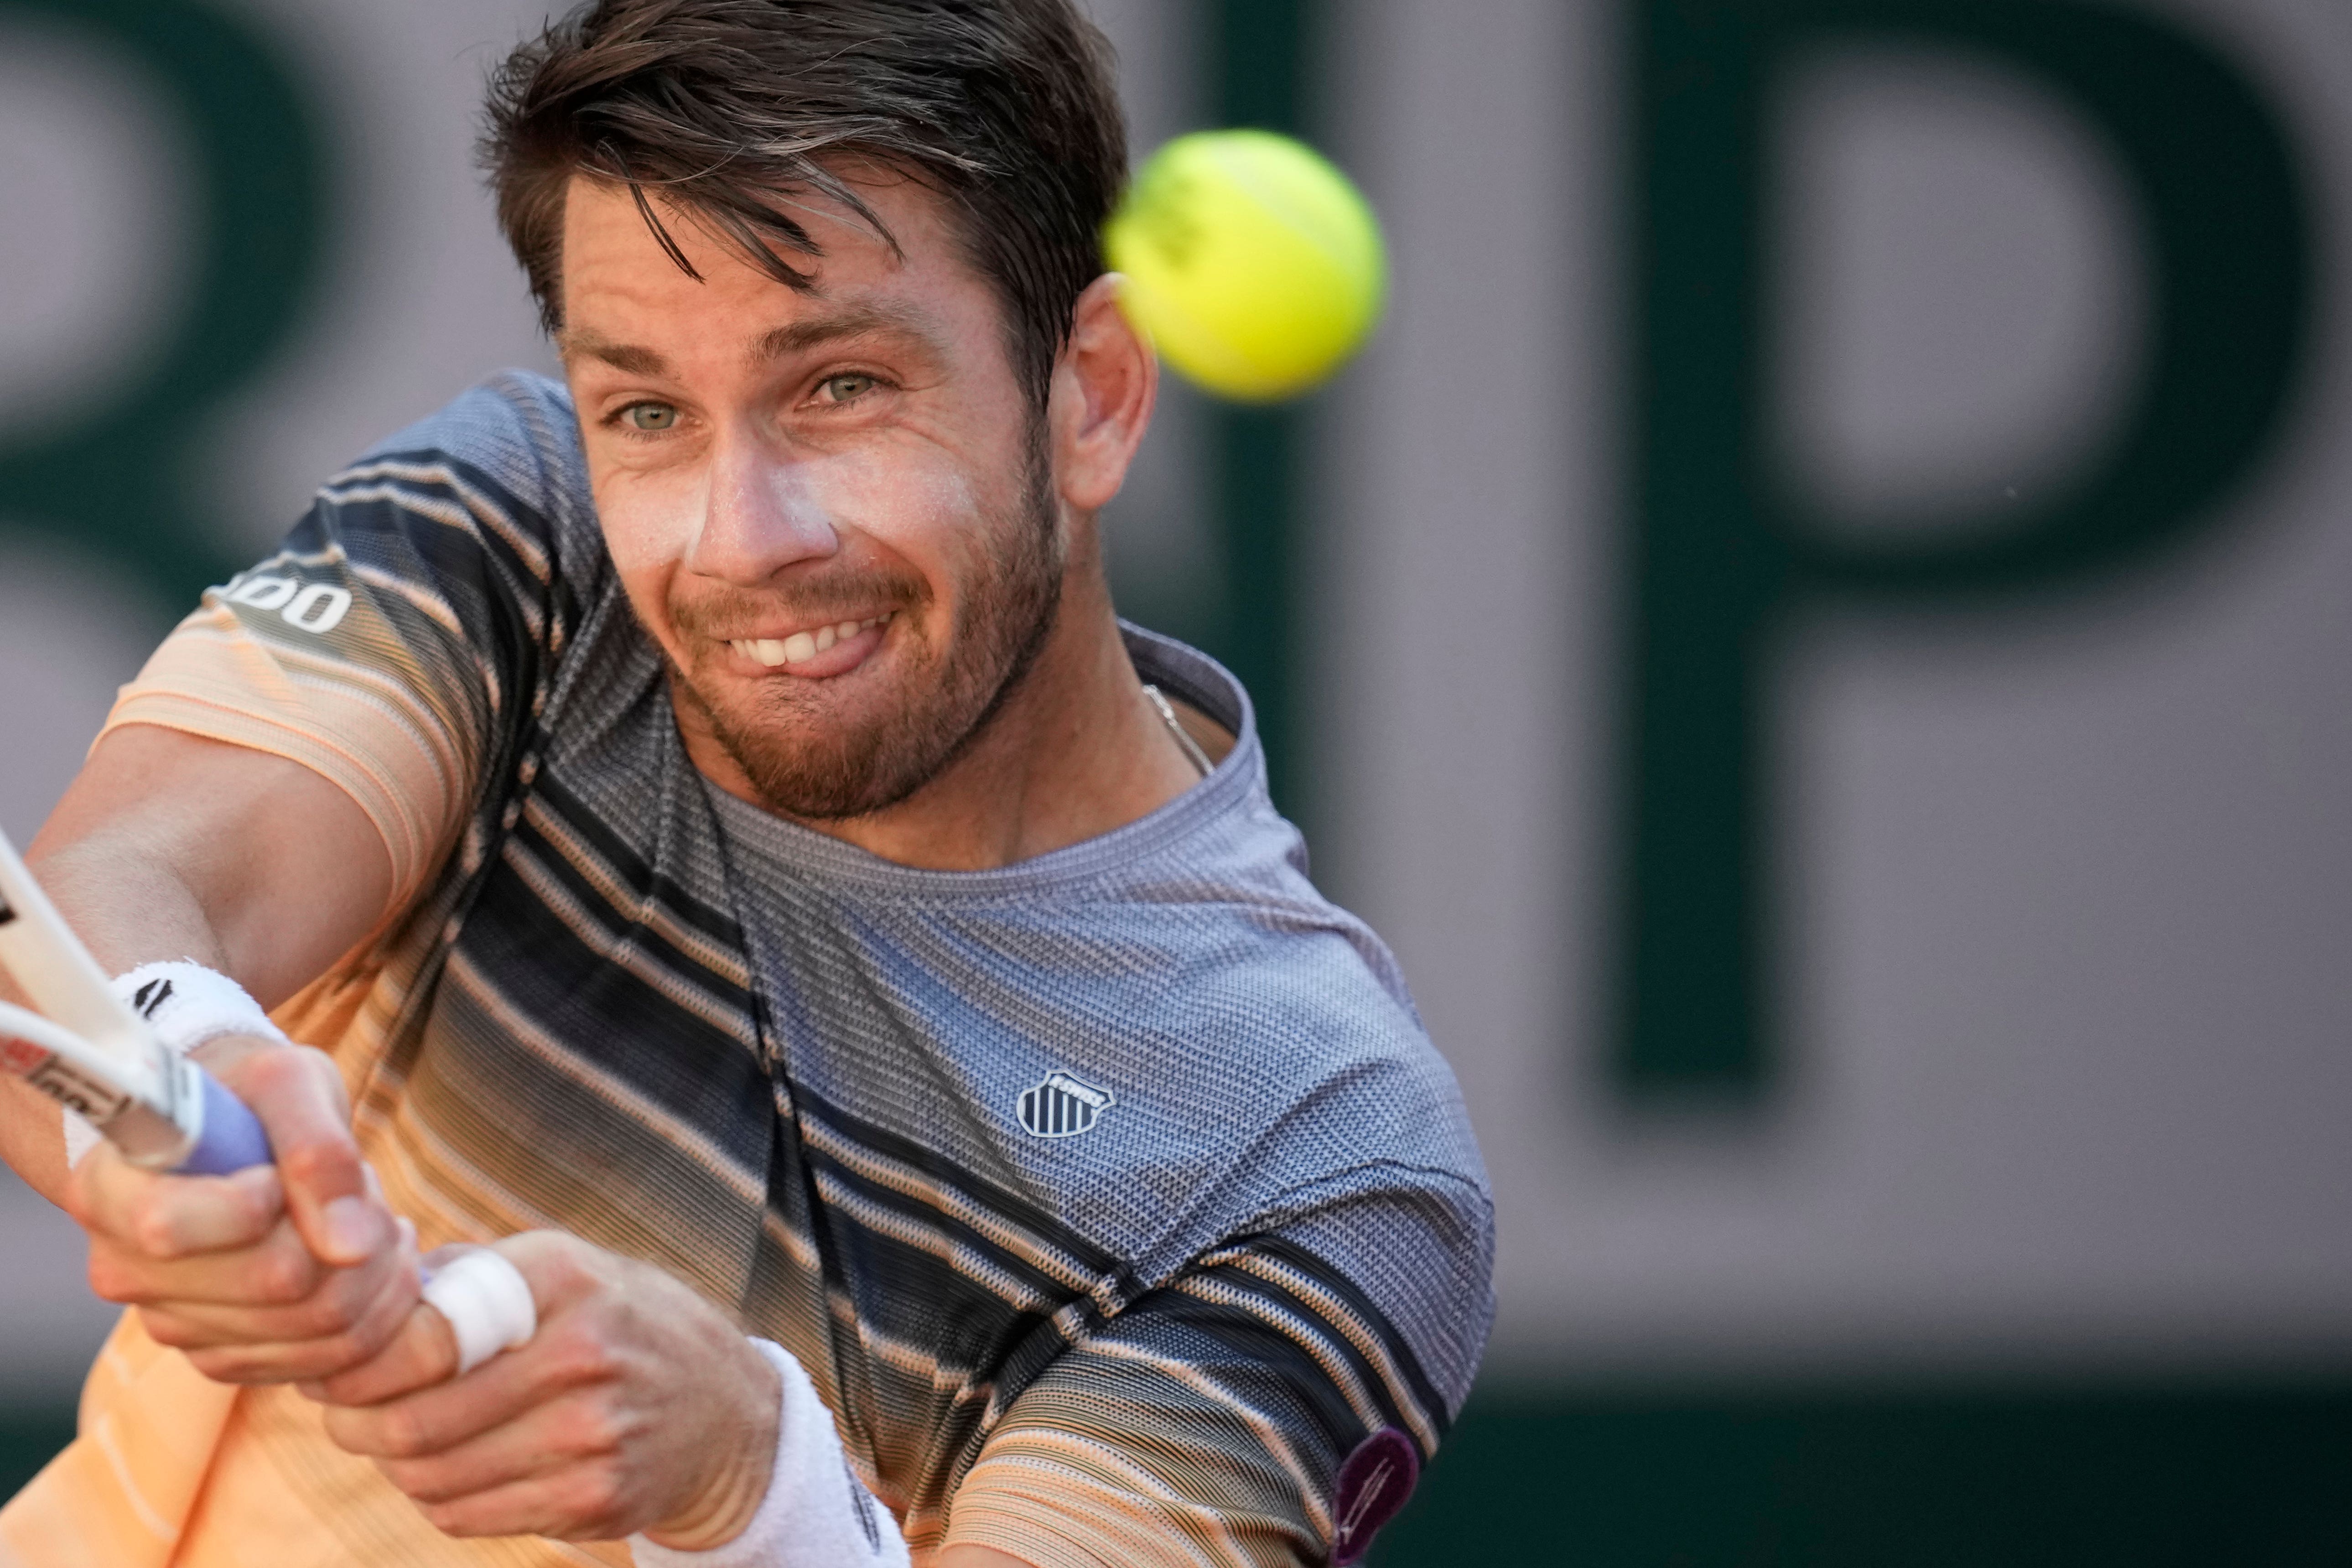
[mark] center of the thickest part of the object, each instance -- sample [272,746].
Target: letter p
[1723,560]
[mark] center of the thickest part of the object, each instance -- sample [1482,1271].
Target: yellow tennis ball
[1251,262]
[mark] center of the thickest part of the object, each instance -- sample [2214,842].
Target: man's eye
[845,387]
[650,416]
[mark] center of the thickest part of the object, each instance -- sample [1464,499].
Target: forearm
[126,897]
[172,847]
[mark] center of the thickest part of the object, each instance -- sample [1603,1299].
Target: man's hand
[276,1274]
[637,1406]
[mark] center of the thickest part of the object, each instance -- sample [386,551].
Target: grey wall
[2066,888]
[421,300]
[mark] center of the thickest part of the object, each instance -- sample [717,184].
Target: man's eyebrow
[857,321]
[627,358]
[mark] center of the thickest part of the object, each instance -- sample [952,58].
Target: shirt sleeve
[393,643]
[1210,1422]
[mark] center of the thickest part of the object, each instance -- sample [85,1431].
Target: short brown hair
[725,107]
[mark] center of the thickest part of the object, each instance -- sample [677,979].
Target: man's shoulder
[508,447]
[1255,1054]
[1305,1043]
[1340,1137]
[1266,1035]
[506,417]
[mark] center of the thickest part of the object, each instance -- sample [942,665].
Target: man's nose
[764,513]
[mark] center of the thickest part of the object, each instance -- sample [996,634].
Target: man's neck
[1076,751]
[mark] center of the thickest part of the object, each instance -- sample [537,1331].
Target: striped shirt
[1112,1199]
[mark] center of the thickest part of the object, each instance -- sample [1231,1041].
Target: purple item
[232,1138]
[1374,1482]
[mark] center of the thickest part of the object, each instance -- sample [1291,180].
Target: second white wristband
[817,1513]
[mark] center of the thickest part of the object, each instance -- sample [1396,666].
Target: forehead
[615,270]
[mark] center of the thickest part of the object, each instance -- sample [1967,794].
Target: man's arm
[636,1407]
[168,846]
[1216,1418]
[171,846]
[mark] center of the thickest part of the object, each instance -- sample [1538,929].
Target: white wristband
[486,1300]
[186,1004]
[817,1514]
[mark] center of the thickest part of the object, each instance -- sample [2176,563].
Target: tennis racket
[92,1053]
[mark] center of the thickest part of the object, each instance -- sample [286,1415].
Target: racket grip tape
[232,1138]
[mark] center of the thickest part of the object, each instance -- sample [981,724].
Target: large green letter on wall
[120,482]
[1722,557]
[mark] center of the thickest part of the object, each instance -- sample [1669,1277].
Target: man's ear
[1104,383]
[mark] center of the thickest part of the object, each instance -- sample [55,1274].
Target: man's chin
[820,758]
[822,790]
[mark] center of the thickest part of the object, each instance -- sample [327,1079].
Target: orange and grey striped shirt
[1114,1200]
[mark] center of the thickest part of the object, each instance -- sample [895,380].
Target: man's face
[830,509]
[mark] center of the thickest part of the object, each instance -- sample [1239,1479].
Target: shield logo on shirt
[1062,1107]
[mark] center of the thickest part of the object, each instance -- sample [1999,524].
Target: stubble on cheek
[857,743]
[761,718]
[851,745]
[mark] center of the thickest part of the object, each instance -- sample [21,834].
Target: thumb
[330,1192]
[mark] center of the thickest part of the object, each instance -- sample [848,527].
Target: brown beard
[804,760]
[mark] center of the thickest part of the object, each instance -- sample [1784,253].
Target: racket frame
[99,1059]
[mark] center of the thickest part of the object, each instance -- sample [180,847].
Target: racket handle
[233,1138]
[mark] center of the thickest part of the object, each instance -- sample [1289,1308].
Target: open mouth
[825,651]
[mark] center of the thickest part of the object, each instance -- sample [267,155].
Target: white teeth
[766,650]
[801,647]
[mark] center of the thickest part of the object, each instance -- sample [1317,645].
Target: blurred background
[1822,632]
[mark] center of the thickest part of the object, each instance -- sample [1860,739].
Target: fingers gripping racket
[92,1053]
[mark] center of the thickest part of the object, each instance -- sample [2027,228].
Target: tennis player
[712,849]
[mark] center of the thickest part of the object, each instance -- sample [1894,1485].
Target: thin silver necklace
[1168,716]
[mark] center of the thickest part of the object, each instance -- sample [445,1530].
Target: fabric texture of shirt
[1110,1199]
